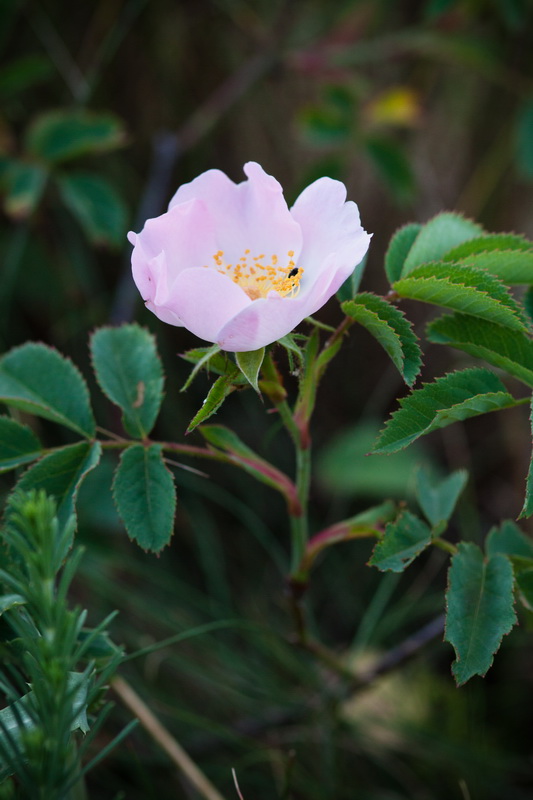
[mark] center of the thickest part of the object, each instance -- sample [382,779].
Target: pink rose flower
[231,263]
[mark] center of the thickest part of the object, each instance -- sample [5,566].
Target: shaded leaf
[454,397]
[96,205]
[8,601]
[439,236]
[480,609]
[145,496]
[24,184]
[524,140]
[250,365]
[527,508]
[509,540]
[60,475]
[398,249]
[218,392]
[438,498]
[62,134]
[511,351]
[402,542]
[38,379]
[18,444]
[129,372]
[23,73]
[465,289]
[350,287]
[392,330]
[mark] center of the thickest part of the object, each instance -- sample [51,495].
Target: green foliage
[391,329]
[509,540]
[96,205]
[438,498]
[23,183]
[464,289]
[37,379]
[392,165]
[218,392]
[398,249]
[439,236]
[60,475]
[479,609]
[18,444]
[350,287]
[130,373]
[527,508]
[524,140]
[402,542]
[250,365]
[509,350]
[58,136]
[496,243]
[456,396]
[145,496]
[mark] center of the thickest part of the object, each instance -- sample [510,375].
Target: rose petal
[203,300]
[251,215]
[329,225]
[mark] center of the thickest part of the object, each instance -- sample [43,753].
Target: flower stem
[299,523]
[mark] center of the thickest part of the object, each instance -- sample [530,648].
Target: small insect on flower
[234,265]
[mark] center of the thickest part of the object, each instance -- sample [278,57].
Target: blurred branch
[163,738]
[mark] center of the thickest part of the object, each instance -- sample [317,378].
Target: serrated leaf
[249,364]
[218,392]
[145,496]
[511,351]
[391,329]
[402,542]
[18,444]
[129,372]
[451,398]
[398,249]
[438,498]
[509,540]
[63,134]
[487,244]
[24,184]
[60,475]
[464,289]
[527,508]
[513,267]
[38,379]
[96,205]
[480,609]
[439,236]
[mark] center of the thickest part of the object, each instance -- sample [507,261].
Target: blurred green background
[107,107]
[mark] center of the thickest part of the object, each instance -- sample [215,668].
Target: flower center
[258,276]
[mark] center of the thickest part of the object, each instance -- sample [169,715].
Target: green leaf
[488,243]
[218,392]
[513,267]
[454,397]
[465,289]
[23,73]
[38,379]
[350,287]
[509,540]
[392,330]
[96,205]
[145,496]
[129,372]
[393,166]
[527,508]
[250,365]
[8,601]
[402,542]
[60,475]
[479,609]
[509,350]
[58,136]
[398,250]
[438,498]
[18,444]
[439,236]
[24,184]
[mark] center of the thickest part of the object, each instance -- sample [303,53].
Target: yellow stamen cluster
[258,277]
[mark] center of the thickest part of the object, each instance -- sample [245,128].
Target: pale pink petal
[186,234]
[329,225]
[251,215]
[271,318]
[203,300]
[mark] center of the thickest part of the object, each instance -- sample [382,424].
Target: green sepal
[250,364]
